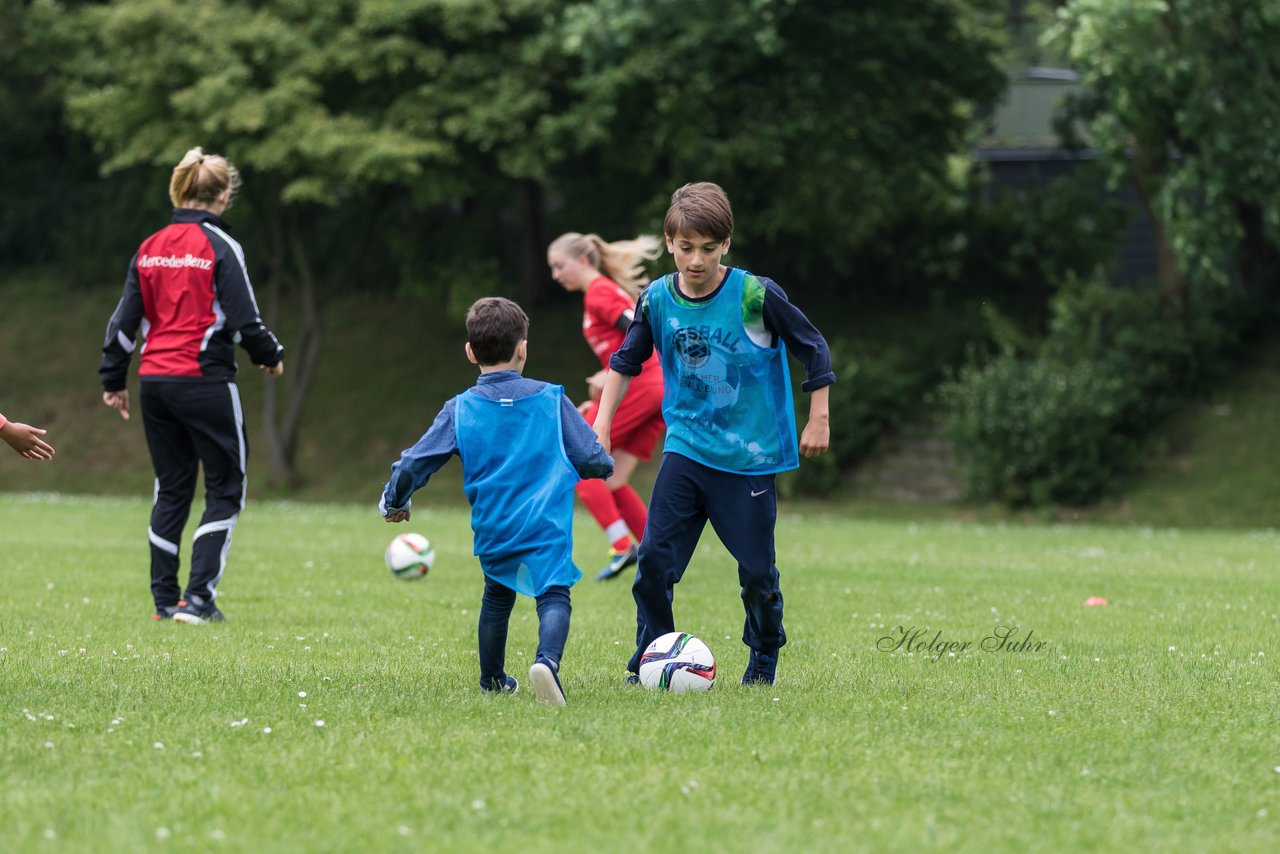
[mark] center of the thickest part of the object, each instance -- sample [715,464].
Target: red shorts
[638,423]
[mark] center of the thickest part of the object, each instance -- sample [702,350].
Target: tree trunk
[283,418]
[277,274]
[303,367]
[1175,291]
[533,245]
[1258,256]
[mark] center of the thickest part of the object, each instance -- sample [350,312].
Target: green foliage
[1019,247]
[886,368]
[479,109]
[1069,425]
[1181,99]
[271,87]
[872,396]
[818,147]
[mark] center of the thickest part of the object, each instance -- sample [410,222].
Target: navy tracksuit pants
[742,509]
[190,424]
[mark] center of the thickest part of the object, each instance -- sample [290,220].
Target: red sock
[632,508]
[599,500]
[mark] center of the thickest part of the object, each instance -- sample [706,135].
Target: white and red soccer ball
[410,556]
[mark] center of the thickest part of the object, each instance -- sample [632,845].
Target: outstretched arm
[417,464]
[25,440]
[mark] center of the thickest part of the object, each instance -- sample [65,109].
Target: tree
[320,103]
[1181,100]
[829,122]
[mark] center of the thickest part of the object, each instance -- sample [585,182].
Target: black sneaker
[632,679]
[195,615]
[761,669]
[508,685]
[546,684]
[619,562]
[166,612]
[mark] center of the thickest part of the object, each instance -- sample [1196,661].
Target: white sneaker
[546,684]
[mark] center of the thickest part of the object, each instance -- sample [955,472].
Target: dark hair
[700,209]
[495,325]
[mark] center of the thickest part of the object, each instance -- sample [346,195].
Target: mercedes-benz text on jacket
[188,294]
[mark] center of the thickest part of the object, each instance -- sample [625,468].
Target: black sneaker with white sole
[505,685]
[195,615]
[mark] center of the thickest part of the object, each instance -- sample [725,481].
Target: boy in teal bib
[722,335]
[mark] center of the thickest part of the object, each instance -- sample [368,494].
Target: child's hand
[602,435]
[399,516]
[815,439]
[26,440]
[595,384]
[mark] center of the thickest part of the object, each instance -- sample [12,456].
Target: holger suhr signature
[915,639]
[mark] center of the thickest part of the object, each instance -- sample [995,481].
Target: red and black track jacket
[189,290]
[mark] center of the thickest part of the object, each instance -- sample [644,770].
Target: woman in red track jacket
[187,302]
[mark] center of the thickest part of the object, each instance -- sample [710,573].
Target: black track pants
[189,424]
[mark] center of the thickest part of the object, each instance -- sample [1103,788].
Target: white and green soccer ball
[677,662]
[410,556]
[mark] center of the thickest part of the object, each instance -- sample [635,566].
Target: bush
[1067,426]
[870,397]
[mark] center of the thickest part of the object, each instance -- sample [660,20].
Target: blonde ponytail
[621,260]
[199,179]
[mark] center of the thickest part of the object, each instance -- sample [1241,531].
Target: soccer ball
[410,556]
[677,662]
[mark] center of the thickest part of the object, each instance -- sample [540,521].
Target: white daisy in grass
[319,723]
[302,693]
[159,745]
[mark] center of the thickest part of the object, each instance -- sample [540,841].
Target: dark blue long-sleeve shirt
[781,319]
[439,443]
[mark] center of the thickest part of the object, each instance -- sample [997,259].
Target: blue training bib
[520,484]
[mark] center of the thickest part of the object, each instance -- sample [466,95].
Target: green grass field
[337,708]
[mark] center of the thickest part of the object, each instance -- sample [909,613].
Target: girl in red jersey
[610,276]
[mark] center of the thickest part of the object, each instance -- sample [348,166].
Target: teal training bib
[727,401]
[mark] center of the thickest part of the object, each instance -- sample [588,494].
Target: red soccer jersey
[603,304]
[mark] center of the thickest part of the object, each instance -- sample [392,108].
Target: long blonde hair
[621,260]
[201,178]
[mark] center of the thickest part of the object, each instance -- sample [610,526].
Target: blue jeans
[495,615]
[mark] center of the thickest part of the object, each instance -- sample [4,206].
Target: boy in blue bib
[523,447]
[722,335]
